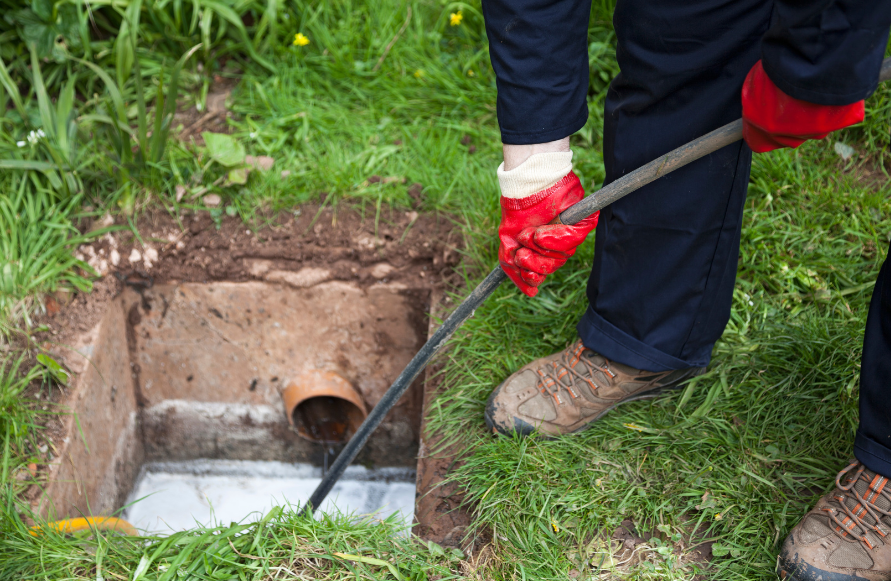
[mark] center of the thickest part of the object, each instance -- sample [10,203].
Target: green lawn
[738,456]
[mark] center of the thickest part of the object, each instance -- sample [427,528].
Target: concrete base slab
[173,496]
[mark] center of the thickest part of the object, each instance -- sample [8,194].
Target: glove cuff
[515,204]
[540,172]
[767,107]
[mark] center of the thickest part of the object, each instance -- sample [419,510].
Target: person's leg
[872,445]
[666,256]
[845,537]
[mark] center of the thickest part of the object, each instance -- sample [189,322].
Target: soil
[869,172]
[301,248]
[190,122]
[441,509]
[694,547]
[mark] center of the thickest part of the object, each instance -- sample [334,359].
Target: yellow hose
[73,525]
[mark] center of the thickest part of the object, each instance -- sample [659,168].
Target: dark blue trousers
[872,446]
[666,256]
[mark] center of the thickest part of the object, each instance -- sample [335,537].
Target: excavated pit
[180,356]
[182,402]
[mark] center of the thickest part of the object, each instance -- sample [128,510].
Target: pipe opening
[323,407]
[327,419]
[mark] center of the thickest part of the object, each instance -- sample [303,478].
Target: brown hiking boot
[567,391]
[846,536]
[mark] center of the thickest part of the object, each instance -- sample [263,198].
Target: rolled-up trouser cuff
[874,456]
[600,335]
[554,131]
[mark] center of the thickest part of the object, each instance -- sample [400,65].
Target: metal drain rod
[696,149]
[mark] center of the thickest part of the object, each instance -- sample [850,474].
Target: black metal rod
[696,149]
[413,369]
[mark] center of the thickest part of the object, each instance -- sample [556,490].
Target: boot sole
[790,571]
[524,428]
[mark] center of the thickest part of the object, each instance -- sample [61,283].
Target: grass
[36,237]
[280,545]
[391,89]
[19,425]
[743,451]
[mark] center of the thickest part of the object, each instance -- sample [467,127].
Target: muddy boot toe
[567,391]
[846,536]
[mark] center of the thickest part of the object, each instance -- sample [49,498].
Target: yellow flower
[455,18]
[719,516]
[300,39]
[419,73]
[555,527]
[471,73]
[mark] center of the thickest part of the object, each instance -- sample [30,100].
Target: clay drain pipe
[677,158]
[323,406]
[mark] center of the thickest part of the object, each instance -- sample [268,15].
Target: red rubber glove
[772,119]
[532,248]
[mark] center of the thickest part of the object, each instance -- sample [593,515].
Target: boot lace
[558,376]
[851,521]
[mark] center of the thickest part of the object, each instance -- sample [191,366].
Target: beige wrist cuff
[537,173]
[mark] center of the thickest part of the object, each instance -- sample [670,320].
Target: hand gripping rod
[640,177]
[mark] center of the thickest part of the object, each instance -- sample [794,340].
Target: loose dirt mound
[300,249]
